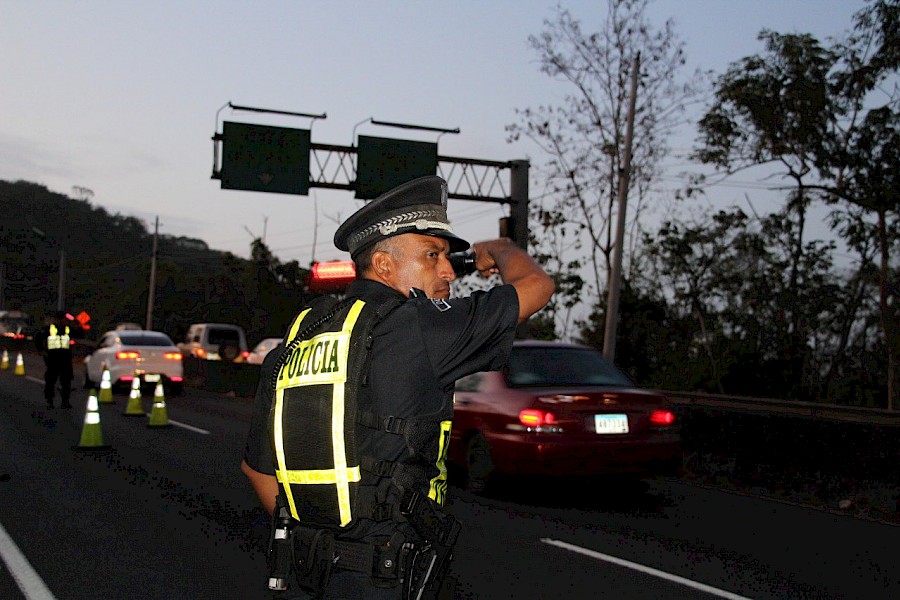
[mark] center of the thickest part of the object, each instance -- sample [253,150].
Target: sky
[121,97]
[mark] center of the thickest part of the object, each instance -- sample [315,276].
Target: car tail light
[532,417]
[127,355]
[126,378]
[662,417]
[245,354]
[173,355]
[176,378]
[200,352]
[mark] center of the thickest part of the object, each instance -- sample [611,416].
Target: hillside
[108,258]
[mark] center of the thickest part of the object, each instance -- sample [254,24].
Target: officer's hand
[486,253]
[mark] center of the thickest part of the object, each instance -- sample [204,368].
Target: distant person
[348,441]
[54,342]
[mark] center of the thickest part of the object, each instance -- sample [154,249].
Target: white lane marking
[191,427]
[184,425]
[29,582]
[649,570]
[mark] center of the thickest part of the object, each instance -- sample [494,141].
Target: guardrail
[811,410]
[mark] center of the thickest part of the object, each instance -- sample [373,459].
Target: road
[167,514]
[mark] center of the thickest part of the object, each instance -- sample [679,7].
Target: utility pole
[152,289]
[615,283]
[61,288]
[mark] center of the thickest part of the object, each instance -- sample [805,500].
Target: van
[215,341]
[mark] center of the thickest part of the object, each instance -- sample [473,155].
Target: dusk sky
[121,96]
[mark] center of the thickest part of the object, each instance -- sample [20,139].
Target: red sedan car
[559,410]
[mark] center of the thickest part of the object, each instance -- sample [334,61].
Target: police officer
[349,436]
[54,344]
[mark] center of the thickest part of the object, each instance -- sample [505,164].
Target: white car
[126,353]
[258,354]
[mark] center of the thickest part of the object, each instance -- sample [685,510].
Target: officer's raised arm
[518,269]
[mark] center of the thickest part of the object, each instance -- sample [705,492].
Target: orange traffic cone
[106,396]
[135,406]
[4,362]
[91,434]
[20,365]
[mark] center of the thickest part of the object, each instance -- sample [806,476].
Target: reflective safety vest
[319,414]
[56,341]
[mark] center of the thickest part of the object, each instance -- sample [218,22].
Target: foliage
[108,269]
[583,135]
[827,117]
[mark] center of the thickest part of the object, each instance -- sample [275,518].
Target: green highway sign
[261,158]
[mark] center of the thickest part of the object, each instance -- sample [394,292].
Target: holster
[313,551]
[426,565]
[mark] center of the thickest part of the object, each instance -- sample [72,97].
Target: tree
[583,135]
[814,112]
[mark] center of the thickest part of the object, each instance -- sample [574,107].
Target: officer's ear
[382,263]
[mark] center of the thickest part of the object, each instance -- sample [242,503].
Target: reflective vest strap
[282,472]
[296,326]
[339,447]
[315,476]
[438,486]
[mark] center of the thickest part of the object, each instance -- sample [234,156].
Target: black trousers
[59,368]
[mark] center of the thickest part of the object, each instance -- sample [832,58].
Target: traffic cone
[91,434]
[106,396]
[135,406]
[20,365]
[159,416]
[4,362]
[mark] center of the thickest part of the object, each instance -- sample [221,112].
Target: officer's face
[420,261]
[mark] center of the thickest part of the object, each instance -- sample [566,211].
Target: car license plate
[611,423]
[151,377]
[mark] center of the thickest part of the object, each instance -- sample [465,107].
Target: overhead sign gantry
[284,160]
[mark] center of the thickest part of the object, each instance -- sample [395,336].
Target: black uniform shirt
[420,350]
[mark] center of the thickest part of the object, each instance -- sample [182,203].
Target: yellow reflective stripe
[352,316]
[317,476]
[438,487]
[282,470]
[339,448]
[292,333]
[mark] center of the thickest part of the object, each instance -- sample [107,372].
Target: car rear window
[562,366]
[223,336]
[145,339]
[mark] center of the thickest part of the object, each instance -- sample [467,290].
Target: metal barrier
[812,410]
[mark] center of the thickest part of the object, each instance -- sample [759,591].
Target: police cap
[417,206]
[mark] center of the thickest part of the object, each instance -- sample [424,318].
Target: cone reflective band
[106,396]
[135,407]
[91,434]
[4,362]
[159,416]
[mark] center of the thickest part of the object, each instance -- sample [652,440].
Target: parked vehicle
[559,410]
[215,341]
[262,349]
[16,325]
[150,354]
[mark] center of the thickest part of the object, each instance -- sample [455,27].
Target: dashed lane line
[29,582]
[644,569]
